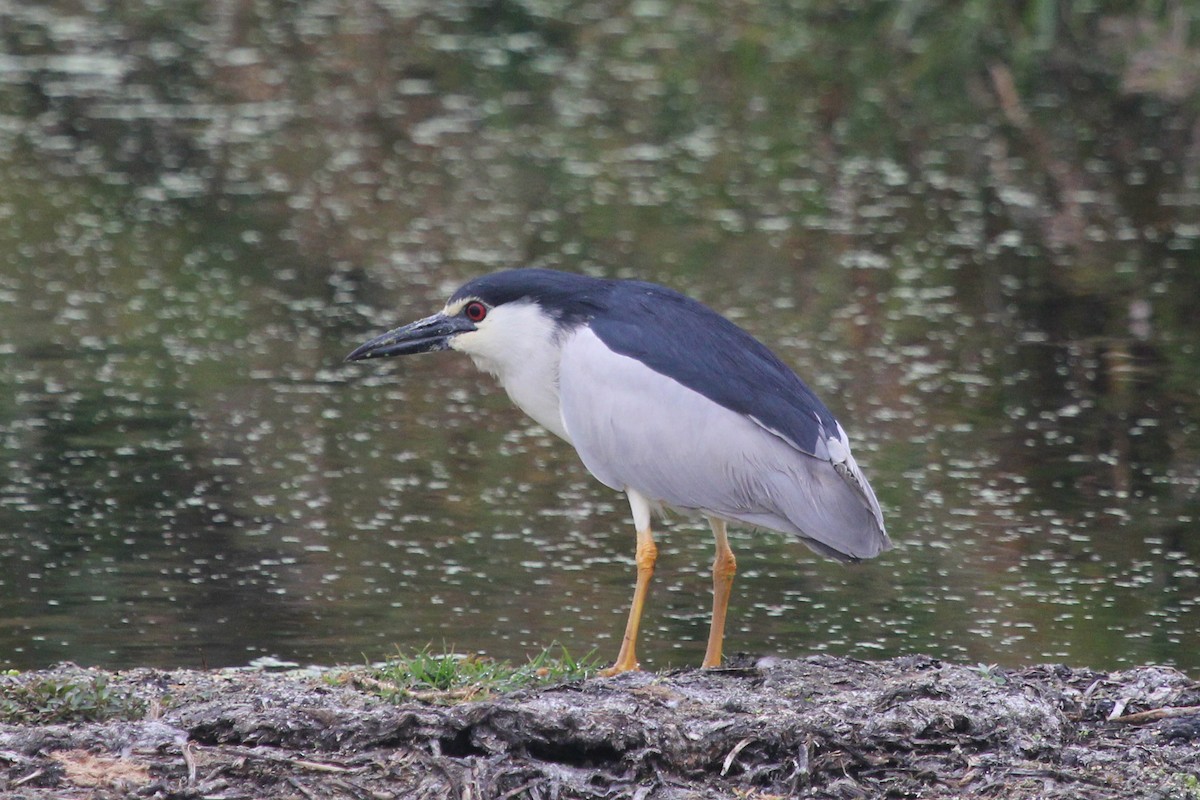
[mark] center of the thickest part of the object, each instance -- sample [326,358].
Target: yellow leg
[647,553]
[724,568]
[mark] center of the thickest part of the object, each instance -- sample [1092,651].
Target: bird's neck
[523,355]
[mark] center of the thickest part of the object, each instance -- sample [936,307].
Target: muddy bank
[819,727]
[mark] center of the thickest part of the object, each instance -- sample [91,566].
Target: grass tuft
[76,697]
[449,677]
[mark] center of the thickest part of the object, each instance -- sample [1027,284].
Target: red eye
[475,311]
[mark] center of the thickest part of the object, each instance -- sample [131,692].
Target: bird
[667,401]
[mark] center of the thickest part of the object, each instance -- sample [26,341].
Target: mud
[820,727]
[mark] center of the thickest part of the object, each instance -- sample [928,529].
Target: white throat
[518,343]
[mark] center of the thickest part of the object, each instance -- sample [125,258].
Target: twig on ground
[1155,714]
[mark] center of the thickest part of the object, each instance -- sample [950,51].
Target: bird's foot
[618,668]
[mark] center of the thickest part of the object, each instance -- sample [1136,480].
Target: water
[202,215]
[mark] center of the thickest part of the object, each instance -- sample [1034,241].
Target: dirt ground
[820,727]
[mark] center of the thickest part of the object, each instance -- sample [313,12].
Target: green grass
[1189,784]
[449,677]
[79,697]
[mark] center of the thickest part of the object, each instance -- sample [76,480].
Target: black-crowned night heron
[667,401]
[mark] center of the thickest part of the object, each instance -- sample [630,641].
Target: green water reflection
[977,242]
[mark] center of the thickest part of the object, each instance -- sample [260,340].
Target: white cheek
[463,341]
[476,344]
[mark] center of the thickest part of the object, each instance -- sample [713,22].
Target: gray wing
[690,343]
[635,428]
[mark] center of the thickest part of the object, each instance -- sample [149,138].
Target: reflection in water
[201,214]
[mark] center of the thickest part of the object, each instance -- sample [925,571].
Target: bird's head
[497,319]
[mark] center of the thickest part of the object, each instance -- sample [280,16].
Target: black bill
[423,336]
